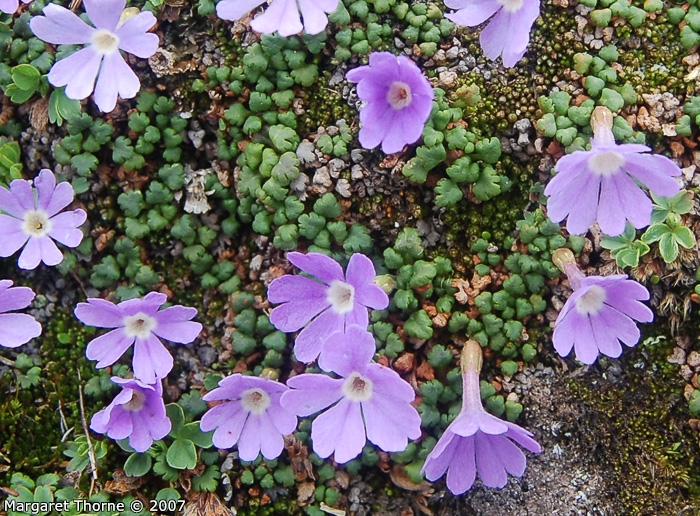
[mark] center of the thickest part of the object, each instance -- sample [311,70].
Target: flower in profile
[599,184]
[281,15]
[330,302]
[251,416]
[16,329]
[10,6]
[599,314]
[115,29]
[398,101]
[477,442]
[138,322]
[31,216]
[507,34]
[369,401]
[138,412]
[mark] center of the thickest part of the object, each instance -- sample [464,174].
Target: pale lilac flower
[599,314]
[251,416]
[330,302]
[10,6]
[281,15]
[477,442]
[601,184]
[507,34]
[31,215]
[398,101]
[370,401]
[138,322]
[16,329]
[115,29]
[138,412]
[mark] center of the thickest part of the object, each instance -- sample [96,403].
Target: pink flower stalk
[10,6]
[398,99]
[507,34]
[600,184]
[16,329]
[115,29]
[138,322]
[281,15]
[31,216]
[328,303]
[138,412]
[599,314]
[477,442]
[369,401]
[251,416]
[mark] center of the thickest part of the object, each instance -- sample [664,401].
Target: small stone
[677,357]
[323,177]
[343,188]
[357,155]
[452,53]
[305,153]
[694,359]
[335,166]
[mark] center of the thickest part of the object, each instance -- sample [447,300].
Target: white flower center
[139,325]
[36,223]
[591,301]
[511,6]
[255,401]
[606,163]
[138,400]
[341,296]
[399,95]
[357,388]
[105,42]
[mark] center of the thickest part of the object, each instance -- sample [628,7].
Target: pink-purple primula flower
[369,401]
[250,416]
[507,34]
[138,412]
[138,322]
[600,313]
[398,100]
[10,6]
[601,184]
[477,442]
[16,329]
[31,216]
[111,33]
[281,15]
[328,303]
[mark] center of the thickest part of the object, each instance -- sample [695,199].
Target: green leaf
[26,77]
[284,138]
[684,236]
[131,202]
[177,418]
[328,206]
[286,169]
[448,193]
[192,432]
[419,325]
[488,184]
[138,464]
[655,232]
[182,454]
[358,240]
[489,150]
[668,247]
[84,163]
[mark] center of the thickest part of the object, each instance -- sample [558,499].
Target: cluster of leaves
[690,21]
[666,229]
[475,154]
[605,10]
[570,124]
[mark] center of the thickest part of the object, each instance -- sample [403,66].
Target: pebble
[322,177]
[305,153]
[694,359]
[343,188]
[336,165]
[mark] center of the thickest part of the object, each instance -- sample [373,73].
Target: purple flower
[31,214]
[251,416]
[398,101]
[141,322]
[138,412]
[507,34]
[16,329]
[370,401]
[599,184]
[331,302]
[281,15]
[477,442]
[10,6]
[114,30]
[599,314]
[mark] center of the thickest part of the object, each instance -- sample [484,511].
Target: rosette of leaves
[624,248]
[667,225]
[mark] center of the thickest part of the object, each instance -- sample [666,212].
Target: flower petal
[228,419]
[271,440]
[100,313]
[108,348]
[311,339]
[17,329]
[491,471]
[471,13]
[13,236]
[339,429]
[390,424]
[116,78]
[317,265]
[235,9]
[61,26]
[310,393]
[151,359]
[77,73]
[135,38]
[175,325]
[280,15]
[104,14]
[250,441]
[14,298]
[462,471]
[440,457]
[347,351]
[64,227]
